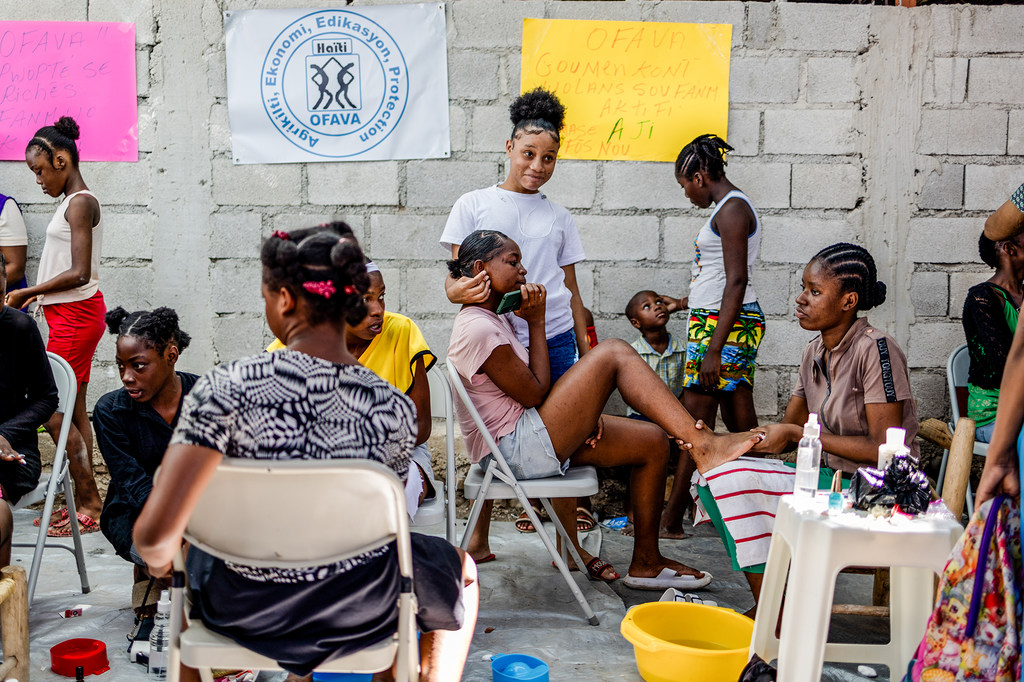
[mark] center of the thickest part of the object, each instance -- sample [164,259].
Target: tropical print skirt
[739,356]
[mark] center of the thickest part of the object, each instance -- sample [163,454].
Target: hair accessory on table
[280,234]
[349,289]
[324,288]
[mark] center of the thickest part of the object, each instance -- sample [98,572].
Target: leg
[479,545]
[702,404]
[754,580]
[679,498]
[738,408]
[79,449]
[565,508]
[574,405]
[443,652]
[6,532]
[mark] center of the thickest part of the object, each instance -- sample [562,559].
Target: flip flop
[487,559]
[523,522]
[666,579]
[62,519]
[672,594]
[585,521]
[595,567]
[87,525]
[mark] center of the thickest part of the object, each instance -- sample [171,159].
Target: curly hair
[706,154]
[60,136]
[157,328]
[322,265]
[989,251]
[479,245]
[855,269]
[537,111]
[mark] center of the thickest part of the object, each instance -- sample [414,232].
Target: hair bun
[114,318]
[537,105]
[67,127]
[878,294]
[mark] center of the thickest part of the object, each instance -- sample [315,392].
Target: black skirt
[302,625]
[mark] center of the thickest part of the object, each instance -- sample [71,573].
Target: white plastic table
[813,548]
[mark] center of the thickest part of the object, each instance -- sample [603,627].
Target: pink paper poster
[82,69]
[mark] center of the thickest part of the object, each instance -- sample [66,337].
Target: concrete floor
[526,608]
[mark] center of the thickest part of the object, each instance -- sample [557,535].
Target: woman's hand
[776,438]
[684,445]
[534,303]
[469,289]
[1000,475]
[18,299]
[8,453]
[673,304]
[596,434]
[710,370]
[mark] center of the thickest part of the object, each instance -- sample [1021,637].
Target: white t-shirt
[545,233]
[56,256]
[12,225]
[708,270]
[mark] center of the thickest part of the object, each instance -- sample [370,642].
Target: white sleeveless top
[707,283]
[56,256]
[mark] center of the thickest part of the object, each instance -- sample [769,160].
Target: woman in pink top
[67,287]
[541,429]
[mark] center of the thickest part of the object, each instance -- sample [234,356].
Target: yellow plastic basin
[677,641]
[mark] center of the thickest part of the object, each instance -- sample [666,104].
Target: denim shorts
[562,353]
[528,449]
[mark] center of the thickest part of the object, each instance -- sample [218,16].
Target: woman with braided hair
[310,400]
[726,323]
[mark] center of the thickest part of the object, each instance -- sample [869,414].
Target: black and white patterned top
[289,405]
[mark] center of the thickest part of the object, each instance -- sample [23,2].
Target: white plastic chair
[234,522]
[442,505]
[957,368]
[481,485]
[46,489]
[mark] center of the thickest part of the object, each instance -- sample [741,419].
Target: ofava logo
[334,83]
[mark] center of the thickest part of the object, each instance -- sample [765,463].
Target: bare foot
[671,534]
[652,569]
[720,449]
[607,574]
[627,530]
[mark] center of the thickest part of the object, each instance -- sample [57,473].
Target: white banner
[359,84]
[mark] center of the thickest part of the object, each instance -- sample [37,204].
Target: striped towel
[747,492]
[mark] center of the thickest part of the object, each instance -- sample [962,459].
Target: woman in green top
[989,318]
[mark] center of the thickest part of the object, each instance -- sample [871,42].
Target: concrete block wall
[900,129]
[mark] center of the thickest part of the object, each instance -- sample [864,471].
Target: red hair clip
[349,289]
[281,235]
[324,288]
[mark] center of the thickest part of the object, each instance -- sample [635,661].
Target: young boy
[666,355]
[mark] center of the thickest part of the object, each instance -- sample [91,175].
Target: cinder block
[680,231]
[256,185]
[985,30]
[826,185]
[618,327]
[717,12]
[584,9]
[128,235]
[932,342]
[220,128]
[944,188]
[783,343]
[120,183]
[630,184]
[996,79]
[290,220]
[585,284]
[960,282]
[142,72]
[946,27]
[744,132]
[47,10]
[130,287]
[766,392]
[411,237]
[138,12]
[238,336]
[943,240]
[813,27]
[353,183]
[472,75]
[424,291]
[217,72]
[945,81]
[618,238]
[1015,145]
[235,235]
[962,131]
[772,285]
[795,239]
[616,285]
[438,184]
[764,79]
[488,24]
[760,31]
[831,79]
[929,293]
[20,183]
[104,379]
[931,393]
[767,184]
[437,331]
[147,127]
[986,188]
[235,286]
[573,184]
[458,127]
[490,130]
[809,131]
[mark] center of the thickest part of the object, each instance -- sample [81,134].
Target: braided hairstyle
[537,111]
[479,245]
[322,265]
[705,154]
[989,251]
[855,269]
[157,328]
[60,136]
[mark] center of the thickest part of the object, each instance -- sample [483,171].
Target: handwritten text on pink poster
[82,69]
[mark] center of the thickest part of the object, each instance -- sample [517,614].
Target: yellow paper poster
[632,90]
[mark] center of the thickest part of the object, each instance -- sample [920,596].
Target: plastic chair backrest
[297,513]
[67,384]
[440,395]
[441,407]
[957,368]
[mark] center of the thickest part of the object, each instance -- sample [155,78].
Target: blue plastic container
[518,667]
[342,677]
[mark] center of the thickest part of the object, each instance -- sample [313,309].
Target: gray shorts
[528,449]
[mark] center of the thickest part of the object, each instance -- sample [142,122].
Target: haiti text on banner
[82,69]
[356,84]
[632,90]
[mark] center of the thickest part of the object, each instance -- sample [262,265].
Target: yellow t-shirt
[394,352]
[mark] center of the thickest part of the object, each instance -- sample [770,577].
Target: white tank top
[707,283]
[56,256]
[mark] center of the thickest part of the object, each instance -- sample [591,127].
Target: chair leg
[942,473]
[44,525]
[474,511]
[76,536]
[553,551]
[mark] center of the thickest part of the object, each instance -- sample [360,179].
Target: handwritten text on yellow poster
[632,90]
